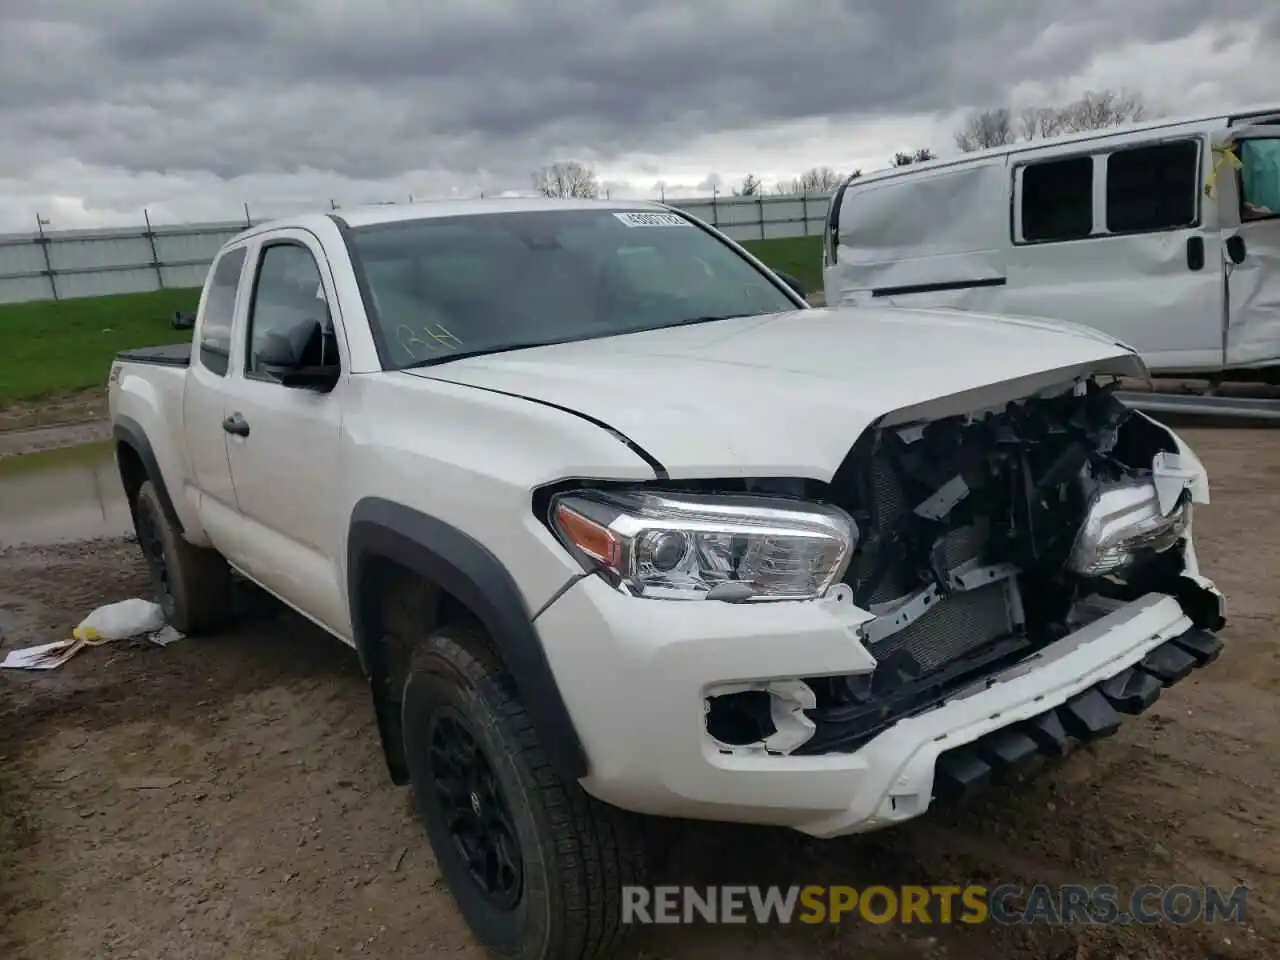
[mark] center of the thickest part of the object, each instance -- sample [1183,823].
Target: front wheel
[536,865]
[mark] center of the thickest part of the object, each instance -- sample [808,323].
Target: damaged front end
[982,539]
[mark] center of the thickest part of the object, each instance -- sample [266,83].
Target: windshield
[448,286]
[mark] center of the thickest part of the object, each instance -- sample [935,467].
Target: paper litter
[115,621]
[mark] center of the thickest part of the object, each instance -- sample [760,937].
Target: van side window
[219,311]
[1153,187]
[1057,200]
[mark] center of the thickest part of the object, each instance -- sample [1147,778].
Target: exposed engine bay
[982,538]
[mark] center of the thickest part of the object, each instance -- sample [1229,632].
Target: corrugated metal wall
[63,264]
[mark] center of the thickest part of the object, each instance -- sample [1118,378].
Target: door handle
[237,425]
[1195,252]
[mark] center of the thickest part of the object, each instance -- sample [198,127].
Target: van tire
[573,854]
[191,584]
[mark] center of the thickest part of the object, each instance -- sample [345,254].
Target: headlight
[695,546]
[1124,519]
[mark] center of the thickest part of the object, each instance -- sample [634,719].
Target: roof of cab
[378,213]
[1235,113]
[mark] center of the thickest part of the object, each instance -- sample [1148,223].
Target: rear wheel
[191,584]
[535,864]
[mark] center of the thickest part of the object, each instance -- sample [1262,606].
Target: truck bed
[173,355]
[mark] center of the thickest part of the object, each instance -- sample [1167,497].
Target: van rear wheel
[191,584]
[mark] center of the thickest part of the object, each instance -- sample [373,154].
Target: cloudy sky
[192,107]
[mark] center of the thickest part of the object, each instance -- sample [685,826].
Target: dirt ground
[77,407]
[225,797]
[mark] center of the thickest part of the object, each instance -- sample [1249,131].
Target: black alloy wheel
[476,814]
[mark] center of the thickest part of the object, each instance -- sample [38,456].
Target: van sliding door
[1115,238]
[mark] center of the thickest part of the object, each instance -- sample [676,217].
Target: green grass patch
[799,256]
[53,347]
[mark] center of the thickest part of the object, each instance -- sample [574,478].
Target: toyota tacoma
[620,527]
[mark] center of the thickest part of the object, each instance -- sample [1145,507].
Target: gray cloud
[484,92]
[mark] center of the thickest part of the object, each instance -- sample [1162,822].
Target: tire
[567,855]
[191,584]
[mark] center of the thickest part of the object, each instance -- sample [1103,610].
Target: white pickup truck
[620,526]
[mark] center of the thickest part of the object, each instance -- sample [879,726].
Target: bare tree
[902,159]
[1099,109]
[820,180]
[1096,110]
[567,178]
[750,187]
[813,180]
[986,128]
[1037,123]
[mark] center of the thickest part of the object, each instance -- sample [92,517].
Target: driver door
[1250,212]
[284,442]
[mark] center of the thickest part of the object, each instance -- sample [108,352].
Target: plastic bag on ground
[115,621]
[120,621]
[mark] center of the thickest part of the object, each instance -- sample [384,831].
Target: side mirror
[304,355]
[183,320]
[792,282]
[1235,248]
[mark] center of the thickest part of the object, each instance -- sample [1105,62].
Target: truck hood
[788,394]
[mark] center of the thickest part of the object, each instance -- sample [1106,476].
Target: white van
[1164,234]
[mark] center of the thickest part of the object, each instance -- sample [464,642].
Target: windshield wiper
[709,318]
[480,352]
[486,351]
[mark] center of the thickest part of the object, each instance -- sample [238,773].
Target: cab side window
[288,295]
[219,312]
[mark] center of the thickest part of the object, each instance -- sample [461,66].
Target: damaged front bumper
[1091,715]
[637,677]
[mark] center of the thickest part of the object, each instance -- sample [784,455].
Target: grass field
[53,348]
[799,256]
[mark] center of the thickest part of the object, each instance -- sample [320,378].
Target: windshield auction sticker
[633,219]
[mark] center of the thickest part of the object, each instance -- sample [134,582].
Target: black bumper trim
[1089,716]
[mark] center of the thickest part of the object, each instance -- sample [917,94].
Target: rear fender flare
[129,433]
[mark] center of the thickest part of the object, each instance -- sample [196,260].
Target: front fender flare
[461,565]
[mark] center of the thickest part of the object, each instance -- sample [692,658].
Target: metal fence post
[804,210]
[760,212]
[155,257]
[48,262]
[715,212]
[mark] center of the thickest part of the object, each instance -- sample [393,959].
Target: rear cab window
[214,353]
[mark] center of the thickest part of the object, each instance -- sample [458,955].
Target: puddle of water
[61,496]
